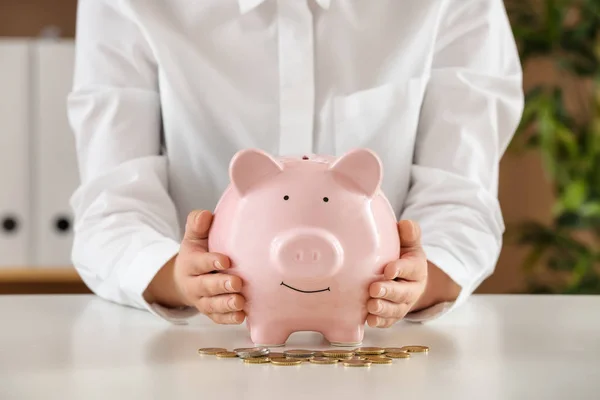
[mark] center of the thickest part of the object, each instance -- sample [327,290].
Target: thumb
[410,235]
[197,227]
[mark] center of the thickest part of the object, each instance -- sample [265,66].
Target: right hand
[195,279]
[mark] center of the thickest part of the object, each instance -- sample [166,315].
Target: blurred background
[549,177]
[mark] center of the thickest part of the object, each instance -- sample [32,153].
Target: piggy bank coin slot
[10,224]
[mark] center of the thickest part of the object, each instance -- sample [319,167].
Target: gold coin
[369,350]
[397,355]
[380,360]
[324,360]
[303,359]
[357,363]
[338,353]
[415,349]
[227,354]
[299,353]
[285,361]
[352,358]
[395,350]
[257,360]
[211,350]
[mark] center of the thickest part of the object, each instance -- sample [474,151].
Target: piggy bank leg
[344,334]
[268,335]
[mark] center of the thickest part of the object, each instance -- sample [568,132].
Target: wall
[524,189]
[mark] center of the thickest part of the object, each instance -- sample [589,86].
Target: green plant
[566,33]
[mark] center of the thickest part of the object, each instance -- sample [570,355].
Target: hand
[193,277]
[405,282]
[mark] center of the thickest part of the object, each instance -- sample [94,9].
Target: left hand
[405,280]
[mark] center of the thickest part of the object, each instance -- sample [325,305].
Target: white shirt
[166,91]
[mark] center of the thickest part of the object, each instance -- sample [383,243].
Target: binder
[15,228]
[55,174]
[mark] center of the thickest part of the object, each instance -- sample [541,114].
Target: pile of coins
[360,357]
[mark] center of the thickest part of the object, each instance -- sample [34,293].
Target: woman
[166,92]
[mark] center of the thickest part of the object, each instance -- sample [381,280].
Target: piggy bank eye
[286,197]
[325,199]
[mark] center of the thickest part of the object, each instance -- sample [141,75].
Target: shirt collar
[248,5]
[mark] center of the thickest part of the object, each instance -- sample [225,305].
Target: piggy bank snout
[308,253]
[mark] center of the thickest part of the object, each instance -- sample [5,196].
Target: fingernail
[378,322]
[382,292]
[197,217]
[231,303]
[379,307]
[228,286]
[218,265]
[415,231]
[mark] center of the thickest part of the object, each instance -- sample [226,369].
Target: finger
[196,228]
[410,235]
[411,267]
[215,284]
[221,304]
[199,263]
[233,318]
[396,292]
[387,309]
[386,322]
[375,321]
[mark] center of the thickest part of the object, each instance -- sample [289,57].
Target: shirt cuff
[452,267]
[143,269]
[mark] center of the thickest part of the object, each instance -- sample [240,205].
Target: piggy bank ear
[361,169]
[250,167]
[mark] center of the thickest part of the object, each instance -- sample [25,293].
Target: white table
[494,347]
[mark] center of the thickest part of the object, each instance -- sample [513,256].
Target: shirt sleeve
[126,225]
[471,109]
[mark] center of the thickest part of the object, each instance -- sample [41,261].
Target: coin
[352,358]
[257,360]
[357,363]
[227,354]
[380,360]
[369,350]
[299,353]
[324,360]
[276,355]
[211,350]
[252,352]
[416,349]
[285,361]
[397,355]
[338,353]
[395,350]
[303,359]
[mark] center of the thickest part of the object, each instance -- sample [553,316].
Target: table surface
[492,347]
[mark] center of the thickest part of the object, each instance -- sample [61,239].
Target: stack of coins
[253,355]
[359,357]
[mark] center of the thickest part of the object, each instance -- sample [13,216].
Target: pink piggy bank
[307,236]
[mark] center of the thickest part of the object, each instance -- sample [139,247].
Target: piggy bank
[307,236]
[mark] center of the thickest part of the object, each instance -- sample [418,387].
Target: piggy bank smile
[305,291]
